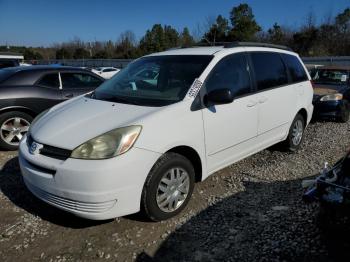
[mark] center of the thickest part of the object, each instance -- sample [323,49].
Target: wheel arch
[304,114]
[192,155]
[19,109]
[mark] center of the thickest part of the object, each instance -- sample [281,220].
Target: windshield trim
[168,85]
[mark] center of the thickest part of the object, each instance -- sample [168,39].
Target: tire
[292,143]
[13,125]
[161,172]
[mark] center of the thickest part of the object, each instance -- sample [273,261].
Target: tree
[244,26]
[63,53]
[125,47]
[157,39]
[218,31]
[186,40]
[276,35]
[29,54]
[304,41]
[80,53]
[171,37]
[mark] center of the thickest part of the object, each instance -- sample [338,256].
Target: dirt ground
[250,211]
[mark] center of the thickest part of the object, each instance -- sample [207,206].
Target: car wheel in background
[168,187]
[13,125]
[295,134]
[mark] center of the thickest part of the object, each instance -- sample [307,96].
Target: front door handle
[68,95]
[252,103]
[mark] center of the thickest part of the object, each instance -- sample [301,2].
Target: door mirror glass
[219,97]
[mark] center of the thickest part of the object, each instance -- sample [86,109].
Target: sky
[42,23]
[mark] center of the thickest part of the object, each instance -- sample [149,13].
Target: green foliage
[244,26]
[186,40]
[329,38]
[63,53]
[218,32]
[81,53]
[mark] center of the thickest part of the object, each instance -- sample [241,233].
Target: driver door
[230,129]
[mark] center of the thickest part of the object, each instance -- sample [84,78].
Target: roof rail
[256,44]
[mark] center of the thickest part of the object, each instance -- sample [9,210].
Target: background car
[332,92]
[27,91]
[106,72]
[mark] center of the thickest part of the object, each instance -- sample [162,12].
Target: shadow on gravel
[13,187]
[266,222]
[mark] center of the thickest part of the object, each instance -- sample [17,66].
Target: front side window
[232,73]
[296,70]
[154,80]
[50,80]
[331,76]
[269,70]
[79,80]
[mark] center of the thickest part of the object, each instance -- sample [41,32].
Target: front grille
[71,204]
[55,152]
[51,151]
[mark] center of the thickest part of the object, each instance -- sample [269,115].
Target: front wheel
[168,187]
[295,134]
[13,125]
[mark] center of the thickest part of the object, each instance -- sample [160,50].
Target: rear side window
[269,70]
[79,80]
[296,70]
[50,80]
[231,72]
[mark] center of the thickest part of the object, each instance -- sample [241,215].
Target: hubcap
[297,132]
[13,129]
[173,189]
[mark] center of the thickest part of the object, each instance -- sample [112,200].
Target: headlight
[332,97]
[110,144]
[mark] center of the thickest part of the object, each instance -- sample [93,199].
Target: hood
[76,122]
[321,90]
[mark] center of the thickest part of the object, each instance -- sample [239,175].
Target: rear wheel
[296,134]
[13,125]
[168,187]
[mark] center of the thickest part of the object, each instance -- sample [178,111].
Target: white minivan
[141,140]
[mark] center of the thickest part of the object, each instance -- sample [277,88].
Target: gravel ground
[250,211]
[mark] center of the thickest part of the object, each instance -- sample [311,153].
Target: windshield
[154,80]
[330,76]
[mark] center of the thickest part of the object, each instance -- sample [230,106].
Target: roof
[191,51]
[43,68]
[224,48]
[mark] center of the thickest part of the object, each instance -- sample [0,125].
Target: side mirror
[219,97]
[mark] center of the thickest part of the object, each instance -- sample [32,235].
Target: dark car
[27,91]
[332,93]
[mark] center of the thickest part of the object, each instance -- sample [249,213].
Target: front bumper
[328,109]
[93,189]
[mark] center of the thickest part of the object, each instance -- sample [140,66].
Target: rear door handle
[252,103]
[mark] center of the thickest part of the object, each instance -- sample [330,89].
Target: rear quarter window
[269,70]
[295,68]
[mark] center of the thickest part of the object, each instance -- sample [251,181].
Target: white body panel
[221,135]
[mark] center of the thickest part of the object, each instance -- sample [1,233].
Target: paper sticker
[194,89]
[343,78]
